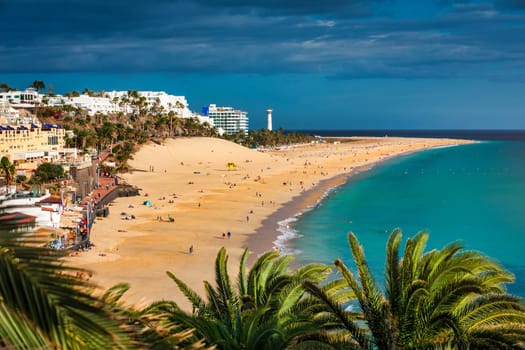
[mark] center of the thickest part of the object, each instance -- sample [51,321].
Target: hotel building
[23,139]
[228,119]
[28,143]
[93,105]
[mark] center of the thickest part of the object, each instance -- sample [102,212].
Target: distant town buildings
[129,102]
[228,119]
[24,140]
[126,102]
[164,102]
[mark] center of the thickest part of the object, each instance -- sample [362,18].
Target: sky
[323,64]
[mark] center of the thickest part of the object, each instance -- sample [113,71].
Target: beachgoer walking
[229,234]
[223,235]
[191,249]
[247,218]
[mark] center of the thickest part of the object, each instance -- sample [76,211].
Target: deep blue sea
[472,193]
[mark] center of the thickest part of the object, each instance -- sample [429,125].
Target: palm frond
[242,281]
[197,302]
[393,286]
[222,279]
[19,333]
[36,284]
[336,310]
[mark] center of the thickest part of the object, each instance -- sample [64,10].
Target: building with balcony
[228,119]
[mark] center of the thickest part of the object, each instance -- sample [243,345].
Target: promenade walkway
[106,184]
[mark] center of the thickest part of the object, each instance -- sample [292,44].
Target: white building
[93,105]
[228,119]
[8,115]
[27,98]
[167,103]
[11,116]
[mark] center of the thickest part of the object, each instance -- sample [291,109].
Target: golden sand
[189,180]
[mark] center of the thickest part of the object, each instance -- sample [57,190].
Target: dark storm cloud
[334,8]
[500,4]
[511,4]
[342,39]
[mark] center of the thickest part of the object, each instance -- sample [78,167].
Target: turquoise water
[472,193]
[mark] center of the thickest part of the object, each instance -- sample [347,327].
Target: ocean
[472,193]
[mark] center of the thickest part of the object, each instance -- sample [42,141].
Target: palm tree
[123,153]
[448,297]
[38,85]
[88,92]
[44,306]
[106,134]
[141,322]
[4,87]
[269,309]
[7,169]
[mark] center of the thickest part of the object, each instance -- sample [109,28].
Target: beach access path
[209,187]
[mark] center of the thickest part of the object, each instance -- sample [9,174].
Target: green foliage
[49,171]
[43,306]
[442,298]
[20,178]
[38,85]
[7,169]
[269,309]
[267,138]
[6,88]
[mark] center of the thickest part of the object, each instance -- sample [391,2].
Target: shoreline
[269,233]
[188,180]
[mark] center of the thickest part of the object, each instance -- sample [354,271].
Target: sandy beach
[189,180]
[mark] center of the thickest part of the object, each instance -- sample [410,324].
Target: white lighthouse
[269,114]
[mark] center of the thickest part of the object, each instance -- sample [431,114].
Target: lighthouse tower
[269,114]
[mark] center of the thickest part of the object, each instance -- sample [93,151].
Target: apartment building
[228,119]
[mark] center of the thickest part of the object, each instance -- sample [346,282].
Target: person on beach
[191,249]
[223,235]
[247,218]
[229,234]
